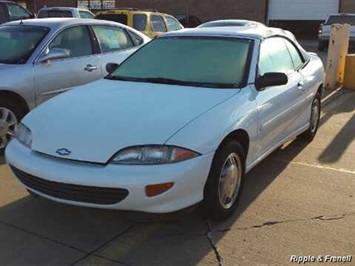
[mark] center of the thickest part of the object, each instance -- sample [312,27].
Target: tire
[217,205]
[10,115]
[311,132]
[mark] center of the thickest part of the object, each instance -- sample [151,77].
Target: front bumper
[189,178]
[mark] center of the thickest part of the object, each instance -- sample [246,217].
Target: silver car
[41,58]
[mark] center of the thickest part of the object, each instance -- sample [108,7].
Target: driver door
[80,67]
[279,107]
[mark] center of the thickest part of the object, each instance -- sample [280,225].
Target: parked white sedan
[171,133]
[40,58]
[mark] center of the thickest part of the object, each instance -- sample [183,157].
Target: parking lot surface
[299,201]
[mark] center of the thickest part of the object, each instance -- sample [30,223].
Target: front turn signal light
[157,189]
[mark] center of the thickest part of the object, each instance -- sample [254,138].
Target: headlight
[153,154]
[24,135]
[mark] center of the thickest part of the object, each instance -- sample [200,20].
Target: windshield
[195,61]
[18,42]
[341,20]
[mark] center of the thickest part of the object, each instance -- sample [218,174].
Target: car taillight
[320,30]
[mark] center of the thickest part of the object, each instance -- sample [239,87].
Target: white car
[159,135]
[231,23]
[64,12]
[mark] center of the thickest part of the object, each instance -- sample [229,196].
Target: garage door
[301,9]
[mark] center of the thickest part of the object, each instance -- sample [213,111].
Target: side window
[3,15]
[140,22]
[85,14]
[76,40]
[274,57]
[17,12]
[138,40]
[173,24]
[112,38]
[295,54]
[157,23]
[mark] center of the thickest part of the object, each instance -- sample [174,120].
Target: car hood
[97,120]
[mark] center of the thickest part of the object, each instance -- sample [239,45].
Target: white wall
[301,9]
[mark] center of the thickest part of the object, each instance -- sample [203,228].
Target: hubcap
[8,125]
[229,181]
[314,116]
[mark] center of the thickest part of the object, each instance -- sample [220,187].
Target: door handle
[300,85]
[90,68]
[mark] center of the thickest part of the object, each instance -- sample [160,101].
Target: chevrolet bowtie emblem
[63,152]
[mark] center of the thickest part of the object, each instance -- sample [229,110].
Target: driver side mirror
[55,53]
[110,67]
[271,79]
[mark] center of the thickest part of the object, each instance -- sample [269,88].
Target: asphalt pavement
[298,204]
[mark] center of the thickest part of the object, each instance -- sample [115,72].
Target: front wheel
[314,119]
[224,183]
[10,115]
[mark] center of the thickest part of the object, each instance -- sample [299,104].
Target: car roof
[251,32]
[56,23]
[231,20]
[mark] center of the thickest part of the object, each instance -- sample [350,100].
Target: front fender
[206,133]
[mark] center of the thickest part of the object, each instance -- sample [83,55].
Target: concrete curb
[329,96]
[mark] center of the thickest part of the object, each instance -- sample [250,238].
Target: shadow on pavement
[180,238]
[343,139]
[339,144]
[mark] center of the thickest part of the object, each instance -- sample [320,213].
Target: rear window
[120,18]
[341,20]
[55,14]
[140,22]
[85,14]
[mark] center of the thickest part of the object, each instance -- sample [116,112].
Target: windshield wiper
[113,77]
[189,83]
[169,81]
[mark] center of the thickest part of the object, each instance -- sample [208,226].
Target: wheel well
[321,90]
[241,136]
[17,99]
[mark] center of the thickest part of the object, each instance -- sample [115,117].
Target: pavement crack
[43,237]
[272,223]
[325,218]
[213,245]
[112,260]
[102,245]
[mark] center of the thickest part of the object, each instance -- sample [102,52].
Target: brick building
[298,16]
[260,10]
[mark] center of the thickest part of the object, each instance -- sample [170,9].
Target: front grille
[87,194]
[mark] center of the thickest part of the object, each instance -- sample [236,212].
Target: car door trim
[55,91]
